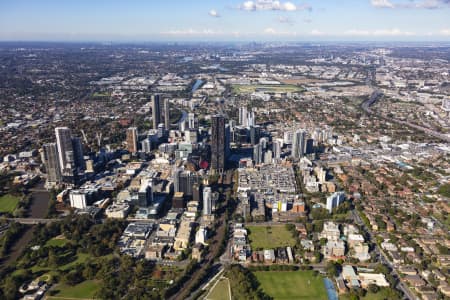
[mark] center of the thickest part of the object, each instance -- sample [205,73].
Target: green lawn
[292,285]
[57,242]
[84,290]
[81,258]
[281,88]
[8,203]
[221,291]
[269,237]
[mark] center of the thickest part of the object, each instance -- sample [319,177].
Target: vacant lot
[269,237]
[284,285]
[8,203]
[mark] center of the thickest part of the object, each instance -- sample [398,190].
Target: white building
[334,200]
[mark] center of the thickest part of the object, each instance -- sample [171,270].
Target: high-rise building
[334,200]
[243,116]
[257,154]
[218,143]
[78,154]
[207,201]
[146,145]
[298,144]
[132,139]
[65,151]
[51,161]
[156,111]
[167,113]
[184,181]
[191,121]
[276,149]
[161,130]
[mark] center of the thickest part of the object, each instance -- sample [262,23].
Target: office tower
[191,121]
[78,154]
[298,144]
[263,141]
[65,151]
[309,147]
[288,136]
[207,201]
[51,161]
[243,116]
[257,154]
[251,119]
[145,194]
[276,149]
[334,200]
[218,143]
[156,111]
[167,113]
[255,132]
[161,130]
[197,192]
[146,145]
[227,141]
[182,126]
[132,139]
[268,157]
[184,181]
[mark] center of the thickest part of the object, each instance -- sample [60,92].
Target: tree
[373,288]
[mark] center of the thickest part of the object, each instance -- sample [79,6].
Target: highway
[377,94]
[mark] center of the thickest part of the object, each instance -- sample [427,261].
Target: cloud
[382,3]
[420,4]
[214,13]
[445,31]
[379,32]
[316,32]
[285,20]
[271,5]
[192,32]
[272,31]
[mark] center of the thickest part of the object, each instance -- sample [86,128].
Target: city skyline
[238,20]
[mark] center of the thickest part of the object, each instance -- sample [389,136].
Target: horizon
[233,20]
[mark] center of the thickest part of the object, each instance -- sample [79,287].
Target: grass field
[84,290]
[8,203]
[281,88]
[292,285]
[269,237]
[81,258]
[221,291]
[57,242]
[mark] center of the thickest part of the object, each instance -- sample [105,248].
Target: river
[38,209]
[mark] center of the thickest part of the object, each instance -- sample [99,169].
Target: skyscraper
[207,201]
[65,151]
[298,144]
[218,143]
[276,149]
[191,121]
[258,154]
[156,111]
[132,139]
[167,113]
[78,154]
[51,161]
[243,116]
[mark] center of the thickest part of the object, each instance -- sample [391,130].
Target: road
[385,260]
[377,94]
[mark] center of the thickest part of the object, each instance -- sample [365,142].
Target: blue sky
[208,20]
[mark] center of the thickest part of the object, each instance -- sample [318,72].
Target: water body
[38,209]
[197,84]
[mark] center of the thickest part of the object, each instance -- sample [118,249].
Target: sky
[234,20]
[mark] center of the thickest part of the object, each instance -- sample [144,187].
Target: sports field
[8,203]
[284,285]
[269,237]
